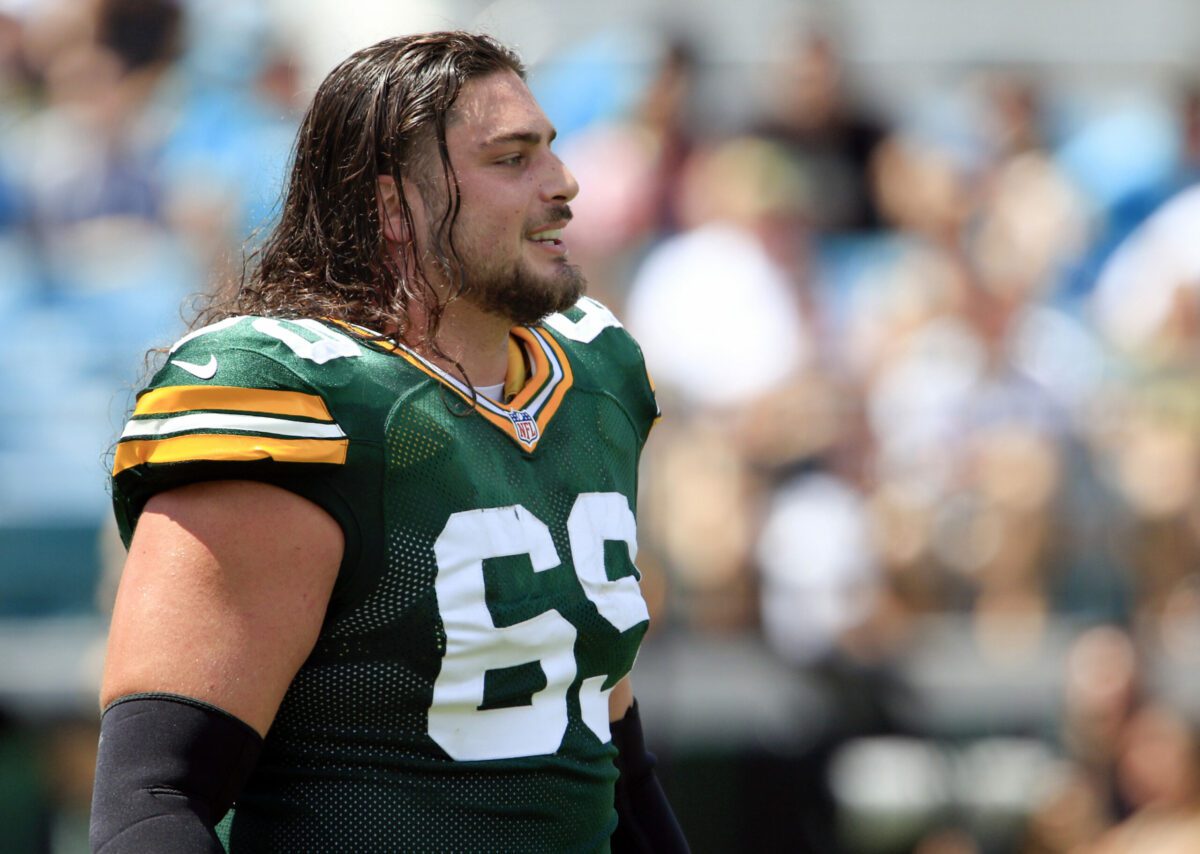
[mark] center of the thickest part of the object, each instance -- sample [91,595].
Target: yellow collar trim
[537,390]
[517,374]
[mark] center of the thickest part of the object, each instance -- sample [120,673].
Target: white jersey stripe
[206,330]
[228,421]
[556,374]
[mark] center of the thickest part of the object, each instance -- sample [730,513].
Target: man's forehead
[499,108]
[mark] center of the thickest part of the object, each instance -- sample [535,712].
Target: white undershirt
[495,392]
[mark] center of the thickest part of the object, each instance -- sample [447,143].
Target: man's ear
[391,213]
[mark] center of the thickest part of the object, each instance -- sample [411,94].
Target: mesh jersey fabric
[487,600]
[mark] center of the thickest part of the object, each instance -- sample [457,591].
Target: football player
[381,592]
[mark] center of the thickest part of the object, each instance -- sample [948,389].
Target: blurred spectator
[665,113]
[814,117]
[820,580]
[1013,115]
[15,96]
[1159,774]
[226,157]
[1070,817]
[947,841]
[1145,300]
[1189,113]
[719,309]
[92,153]
[630,173]
[969,377]
[1103,687]
[722,313]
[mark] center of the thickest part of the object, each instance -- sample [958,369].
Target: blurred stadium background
[918,281]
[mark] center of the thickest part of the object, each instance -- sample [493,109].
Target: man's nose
[560,184]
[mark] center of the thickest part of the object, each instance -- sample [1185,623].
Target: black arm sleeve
[167,771]
[645,822]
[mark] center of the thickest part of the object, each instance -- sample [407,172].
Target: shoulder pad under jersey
[595,337]
[245,398]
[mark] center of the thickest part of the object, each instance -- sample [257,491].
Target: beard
[511,288]
[520,294]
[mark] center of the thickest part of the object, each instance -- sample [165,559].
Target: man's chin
[526,298]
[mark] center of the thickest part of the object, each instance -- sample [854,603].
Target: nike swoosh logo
[203,372]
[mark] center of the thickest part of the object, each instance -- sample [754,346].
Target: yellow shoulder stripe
[231,448]
[183,398]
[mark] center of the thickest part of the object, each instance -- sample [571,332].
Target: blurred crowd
[142,141]
[927,373]
[931,380]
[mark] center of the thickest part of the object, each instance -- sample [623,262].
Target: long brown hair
[383,110]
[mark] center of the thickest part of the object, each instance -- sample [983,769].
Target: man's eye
[512,160]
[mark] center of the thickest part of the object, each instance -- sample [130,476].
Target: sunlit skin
[514,193]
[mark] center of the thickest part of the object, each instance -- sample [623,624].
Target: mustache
[558,213]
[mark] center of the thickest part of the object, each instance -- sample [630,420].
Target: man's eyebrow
[528,137]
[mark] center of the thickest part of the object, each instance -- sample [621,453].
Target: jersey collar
[536,392]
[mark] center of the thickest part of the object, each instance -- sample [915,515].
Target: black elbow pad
[167,771]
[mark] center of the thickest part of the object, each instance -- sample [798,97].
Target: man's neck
[475,339]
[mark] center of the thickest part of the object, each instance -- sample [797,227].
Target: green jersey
[487,602]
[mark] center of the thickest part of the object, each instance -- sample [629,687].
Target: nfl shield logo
[527,429]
